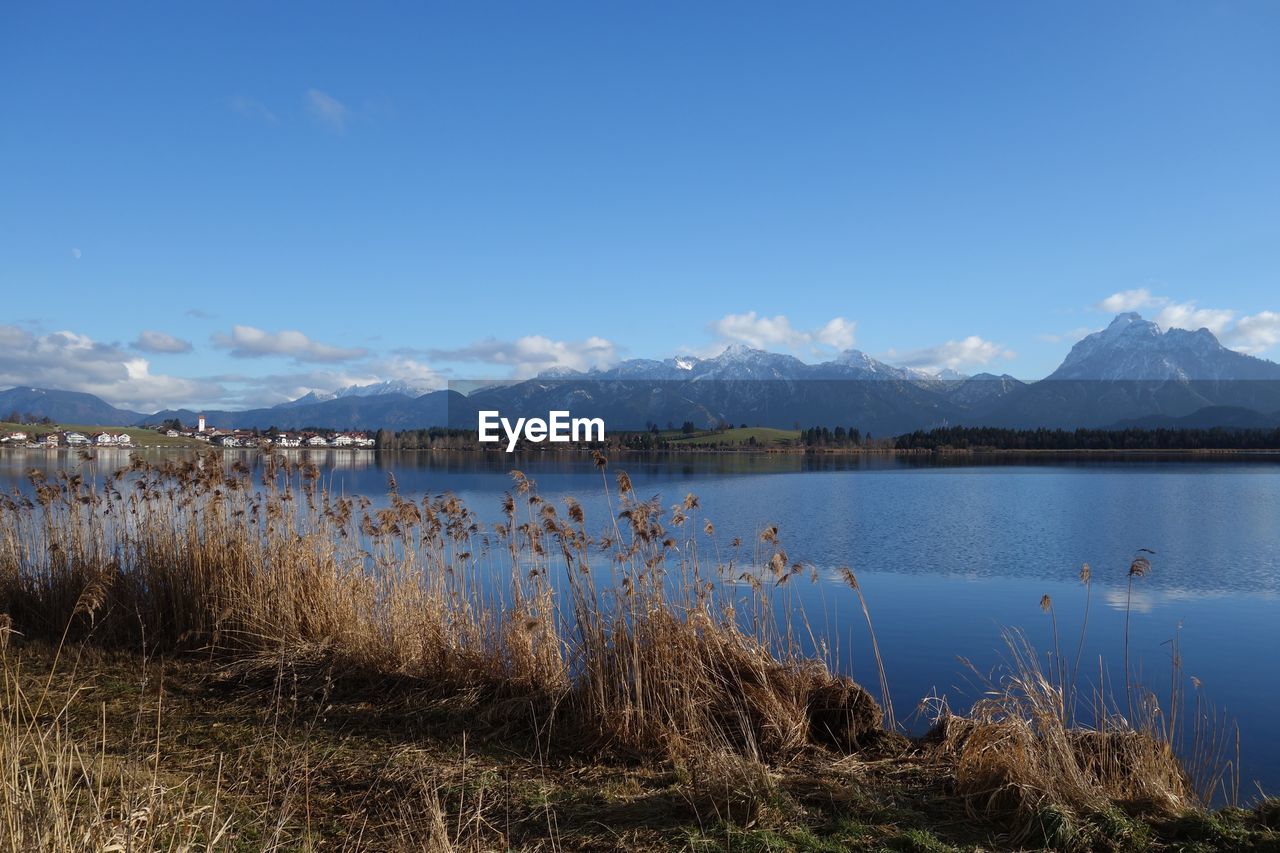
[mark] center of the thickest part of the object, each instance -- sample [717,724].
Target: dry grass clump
[1017,754]
[730,789]
[82,769]
[1042,751]
[672,685]
[59,791]
[1135,769]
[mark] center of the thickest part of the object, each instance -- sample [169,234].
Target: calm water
[948,555]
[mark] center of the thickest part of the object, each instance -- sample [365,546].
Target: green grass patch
[764,436]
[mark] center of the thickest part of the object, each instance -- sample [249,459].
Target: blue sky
[229,204]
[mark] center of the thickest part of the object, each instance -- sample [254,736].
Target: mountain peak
[854,356]
[1126,319]
[559,372]
[407,387]
[1132,348]
[1132,323]
[739,351]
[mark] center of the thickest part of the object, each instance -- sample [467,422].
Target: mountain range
[1131,373]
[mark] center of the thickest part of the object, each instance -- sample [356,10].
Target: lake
[948,554]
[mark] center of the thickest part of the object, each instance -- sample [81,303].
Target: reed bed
[642,639]
[621,640]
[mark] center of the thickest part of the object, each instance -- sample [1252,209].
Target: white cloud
[252,392]
[953,355]
[532,354]
[76,254]
[73,362]
[1172,315]
[1185,315]
[777,332]
[1070,336]
[327,109]
[1130,300]
[1254,334]
[760,332]
[406,369]
[251,342]
[252,108]
[259,391]
[839,333]
[160,342]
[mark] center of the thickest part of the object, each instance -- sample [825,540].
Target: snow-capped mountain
[373,389]
[1132,348]
[390,386]
[741,362]
[310,398]
[740,384]
[855,364]
[1134,370]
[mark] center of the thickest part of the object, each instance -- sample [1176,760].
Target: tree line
[433,438]
[827,437]
[997,438]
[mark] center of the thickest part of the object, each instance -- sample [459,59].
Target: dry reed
[620,641]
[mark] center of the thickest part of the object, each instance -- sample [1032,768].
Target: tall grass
[1046,750]
[60,791]
[621,640]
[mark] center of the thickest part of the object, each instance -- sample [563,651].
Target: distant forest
[946,438]
[995,438]
[438,438]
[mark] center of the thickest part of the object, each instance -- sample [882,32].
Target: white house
[286,440]
[343,439]
[105,439]
[76,439]
[15,436]
[124,440]
[317,441]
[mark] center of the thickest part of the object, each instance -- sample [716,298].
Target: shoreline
[586,451]
[311,753]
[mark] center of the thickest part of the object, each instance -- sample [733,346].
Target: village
[70,438]
[230,438]
[44,438]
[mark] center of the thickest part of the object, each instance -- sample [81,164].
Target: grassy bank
[740,437]
[195,656]
[141,437]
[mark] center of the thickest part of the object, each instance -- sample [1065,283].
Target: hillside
[66,406]
[761,436]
